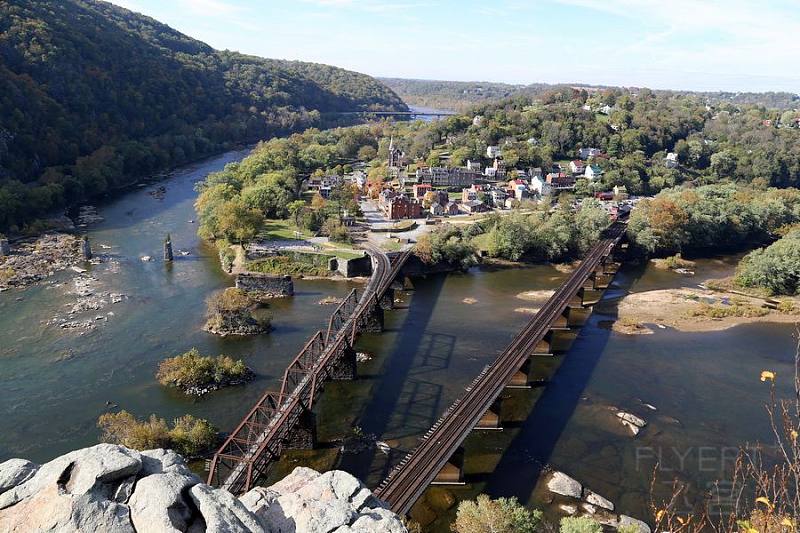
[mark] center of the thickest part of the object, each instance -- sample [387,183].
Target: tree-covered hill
[93,96]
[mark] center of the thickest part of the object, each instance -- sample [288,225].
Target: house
[437,209]
[606,109]
[451,208]
[593,172]
[577,167]
[420,189]
[536,171]
[497,197]
[560,181]
[620,192]
[477,120]
[473,206]
[604,196]
[518,189]
[326,184]
[586,153]
[671,161]
[587,107]
[540,186]
[493,151]
[450,177]
[473,165]
[468,195]
[396,206]
[358,178]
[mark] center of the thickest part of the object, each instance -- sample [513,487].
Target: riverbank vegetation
[189,436]
[95,96]
[775,268]
[196,374]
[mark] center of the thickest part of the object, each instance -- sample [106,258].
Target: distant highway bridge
[284,419]
[401,114]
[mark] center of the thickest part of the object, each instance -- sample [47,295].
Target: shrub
[190,370]
[189,436]
[503,515]
[580,524]
[775,268]
[231,299]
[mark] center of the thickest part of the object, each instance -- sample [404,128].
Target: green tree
[503,515]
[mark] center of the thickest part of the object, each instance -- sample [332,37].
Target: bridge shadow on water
[403,403]
[524,459]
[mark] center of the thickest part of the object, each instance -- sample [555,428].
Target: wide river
[705,387]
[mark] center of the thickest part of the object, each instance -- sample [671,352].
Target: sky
[733,45]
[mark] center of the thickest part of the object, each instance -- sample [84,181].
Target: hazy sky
[682,44]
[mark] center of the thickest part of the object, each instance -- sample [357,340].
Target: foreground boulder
[115,489]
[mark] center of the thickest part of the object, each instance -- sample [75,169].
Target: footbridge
[284,419]
[438,458]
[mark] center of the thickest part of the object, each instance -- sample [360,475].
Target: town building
[473,206]
[577,167]
[397,206]
[474,165]
[620,192]
[451,208]
[593,172]
[396,156]
[420,189]
[671,161]
[437,209]
[477,120]
[586,153]
[450,177]
[493,151]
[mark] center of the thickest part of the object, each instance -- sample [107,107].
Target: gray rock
[632,419]
[375,521]
[334,485]
[625,520]
[562,484]
[159,460]
[317,516]
[596,499]
[258,498]
[223,513]
[79,472]
[124,490]
[15,472]
[299,478]
[158,504]
[51,509]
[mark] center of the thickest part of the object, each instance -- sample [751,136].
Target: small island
[196,375]
[231,312]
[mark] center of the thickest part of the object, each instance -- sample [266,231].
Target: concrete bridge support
[576,313]
[452,473]
[491,419]
[345,368]
[304,434]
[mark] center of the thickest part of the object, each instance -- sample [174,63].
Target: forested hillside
[93,96]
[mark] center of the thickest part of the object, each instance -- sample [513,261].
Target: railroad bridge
[439,456]
[284,419]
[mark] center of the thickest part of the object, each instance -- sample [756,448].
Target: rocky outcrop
[235,322]
[115,489]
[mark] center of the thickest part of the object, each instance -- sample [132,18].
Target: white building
[540,186]
[593,172]
[493,151]
[477,120]
[473,165]
[586,153]
[671,160]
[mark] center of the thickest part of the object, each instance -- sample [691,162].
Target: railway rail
[409,479]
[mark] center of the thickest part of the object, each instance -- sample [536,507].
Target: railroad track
[409,479]
[259,439]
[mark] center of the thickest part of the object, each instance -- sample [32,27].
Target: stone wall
[351,268]
[265,286]
[113,488]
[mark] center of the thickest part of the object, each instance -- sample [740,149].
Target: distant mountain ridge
[93,95]
[460,95]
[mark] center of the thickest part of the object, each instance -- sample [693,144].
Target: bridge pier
[345,368]
[590,296]
[491,418]
[373,319]
[304,434]
[387,300]
[452,473]
[575,313]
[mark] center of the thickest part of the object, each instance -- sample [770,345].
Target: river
[705,386]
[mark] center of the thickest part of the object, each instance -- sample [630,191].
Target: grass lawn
[281,230]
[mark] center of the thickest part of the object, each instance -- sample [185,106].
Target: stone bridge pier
[304,434]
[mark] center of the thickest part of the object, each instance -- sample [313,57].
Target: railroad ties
[439,457]
[285,419]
